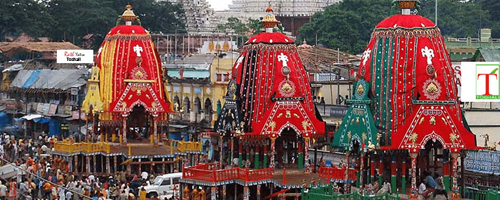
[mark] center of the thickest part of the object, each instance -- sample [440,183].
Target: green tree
[239,28]
[234,25]
[346,25]
[155,16]
[457,19]
[494,23]
[253,24]
[24,16]
[77,18]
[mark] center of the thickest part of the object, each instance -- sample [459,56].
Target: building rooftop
[9,49]
[486,55]
[198,62]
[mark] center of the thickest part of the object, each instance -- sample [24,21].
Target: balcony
[210,172]
[183,146]
[336,174]
[67,146]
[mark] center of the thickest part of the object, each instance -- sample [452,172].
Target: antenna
[436,13]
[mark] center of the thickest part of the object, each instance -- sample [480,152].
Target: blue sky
[219,4]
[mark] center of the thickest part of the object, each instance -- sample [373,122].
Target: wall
[329,91]
[223,67]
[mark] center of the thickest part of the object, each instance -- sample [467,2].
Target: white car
[164,185]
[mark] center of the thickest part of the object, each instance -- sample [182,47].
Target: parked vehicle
[165,185]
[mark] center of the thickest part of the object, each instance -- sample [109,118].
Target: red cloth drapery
[274,90]
[131,71]
[433,123]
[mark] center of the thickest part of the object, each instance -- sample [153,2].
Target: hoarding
[75,56]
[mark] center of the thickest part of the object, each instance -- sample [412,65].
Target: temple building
[200,18]
[291,13]
[253,8]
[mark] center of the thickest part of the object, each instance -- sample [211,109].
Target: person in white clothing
[3,190]
[62,194]
[69,195]
[144,175]
[91,178]
[421,188]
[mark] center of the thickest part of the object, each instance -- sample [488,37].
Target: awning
[177,126]
[4,119]
[11,130]
[31,116]
[13,68]
[21,78]
[41,120]
[33,77]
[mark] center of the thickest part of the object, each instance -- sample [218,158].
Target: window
[165,182]
[219,77]
[157,181]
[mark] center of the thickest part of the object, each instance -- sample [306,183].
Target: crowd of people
[44,177]
[375,189]
[432,186]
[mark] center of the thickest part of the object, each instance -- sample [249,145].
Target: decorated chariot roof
[270,91]
[406,62]
[128,73]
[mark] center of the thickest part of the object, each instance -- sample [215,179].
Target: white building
[200,17]
[245,9]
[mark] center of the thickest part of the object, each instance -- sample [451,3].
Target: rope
[45,180]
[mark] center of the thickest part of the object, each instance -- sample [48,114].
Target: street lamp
[25,120]
[337,72]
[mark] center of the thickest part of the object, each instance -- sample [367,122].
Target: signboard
[52,109]
[64,110]
[46,108]
[11,105]
[338,111]
[67,110]
[74,91]
[483,161]
[39,108]
[457,67]
[76,115]
[75,56]
[480,82]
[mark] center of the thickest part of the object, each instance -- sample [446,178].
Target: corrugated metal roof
[21,78]
[62,79]
[490,55]
[33,77]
